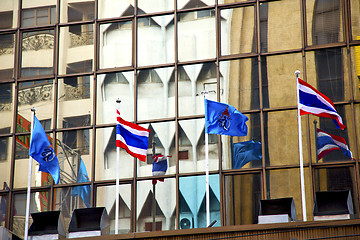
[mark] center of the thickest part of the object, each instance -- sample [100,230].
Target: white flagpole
[118,101]
[29,181]
[207,172]
[302,182]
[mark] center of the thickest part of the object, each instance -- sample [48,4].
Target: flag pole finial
[297,73]
[33,109]
[118,100]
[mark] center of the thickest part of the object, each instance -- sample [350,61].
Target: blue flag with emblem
[224,119]
[42,152]
[83,191]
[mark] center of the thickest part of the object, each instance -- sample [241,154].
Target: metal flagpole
[29,181]
[316,144]
[303,201]
[118,101]
[207,172]
[153,204]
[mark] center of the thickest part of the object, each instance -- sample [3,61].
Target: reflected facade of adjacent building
[73,59]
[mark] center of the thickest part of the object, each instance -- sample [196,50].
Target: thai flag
[159,167]
[311,101]
[327,142]
[131,137]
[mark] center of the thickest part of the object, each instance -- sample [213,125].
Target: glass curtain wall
[71,61]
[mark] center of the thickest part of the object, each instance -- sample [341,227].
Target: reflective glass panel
[3,213]
[115,44]
[357,119]
[77,10]
[38,15]
[7,53]
[110,87]
[237,30]
[5,161]
[280,25]
[231,1]
[285,183]
[6,107]
[8,14]
[74,101]
[193,80]
[243,152]
[186,4]
[105,161]
[196,35]
[279,132]
[156,94]
[39,95]
[192,147]
[37,53]
[149,204]
[68,199]
[155,40]
[239,83]
[38,203]
[355,19]
[324,21]
[105,197]
[242,198]
[73,152]
[327,72]
[145,6]
[355,70]
[279,79]
[161,142]
[76,52]
[192,201]
[112,9]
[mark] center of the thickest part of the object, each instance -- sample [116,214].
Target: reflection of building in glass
[72,59]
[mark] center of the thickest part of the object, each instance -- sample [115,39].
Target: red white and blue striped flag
[311,101]
[131,137]
[327,143]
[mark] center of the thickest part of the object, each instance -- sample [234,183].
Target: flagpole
[29,181]
[207,172]
[302,183]
[118,101]
[316,144]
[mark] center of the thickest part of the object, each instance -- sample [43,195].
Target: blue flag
[83,191]
[224,119]
[42,152]
[245,152]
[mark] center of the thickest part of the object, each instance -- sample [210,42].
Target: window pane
[196,33]
[279,22]
[285,183]
[186,4]
[156,40]
[237,30]
[76,49]
[192,147]
[105,197]
[156,94]
[192,201]
[38,203]
[38,16]
[164,208]
[146,6]
[324,22]
[8,14]
[116,44]
[105,161]
[37,53]
[355,70]
[5,162]
[7,53]
[110,87]
[239,83]
[278,132]
[193,80]
[243,152]
[162,140]
[326,72]
[74,101]
[6,107]
[278,72]
[355,19]
[111,9]
[76,11]
[243,195]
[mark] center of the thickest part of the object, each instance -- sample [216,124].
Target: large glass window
[7,53]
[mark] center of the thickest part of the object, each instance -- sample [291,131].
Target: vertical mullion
[177,179]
